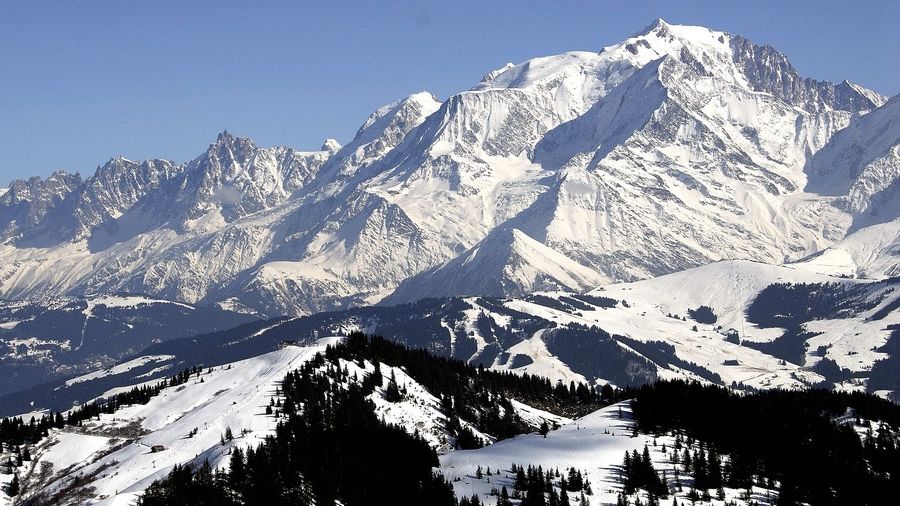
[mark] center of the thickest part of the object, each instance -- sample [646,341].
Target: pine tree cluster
[638,473]
[535,487]
[474,394]
[777,439]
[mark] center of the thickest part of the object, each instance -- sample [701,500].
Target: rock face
[674,148]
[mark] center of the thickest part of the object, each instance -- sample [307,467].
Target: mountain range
[677,147]
[662,270]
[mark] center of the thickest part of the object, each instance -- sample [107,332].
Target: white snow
[871,252]
[233,395]
[119,368]
[594,444]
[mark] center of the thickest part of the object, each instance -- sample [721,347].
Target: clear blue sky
[81,82]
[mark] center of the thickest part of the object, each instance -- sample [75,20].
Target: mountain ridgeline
[70,337]
[675,148]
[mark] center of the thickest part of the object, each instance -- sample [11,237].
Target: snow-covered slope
[115,452]
[111,459]
[860,165]
[593,445]
[871,252]
[506,262]
[729,288]
[677,147]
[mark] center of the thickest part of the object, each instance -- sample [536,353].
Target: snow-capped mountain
[506,262]
[677,147]
[860,165]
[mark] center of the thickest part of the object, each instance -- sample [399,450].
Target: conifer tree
[504,497]
[521,483]
[237,472]
[392,392]
[12,489]
[563,493]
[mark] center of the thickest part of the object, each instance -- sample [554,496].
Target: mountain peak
[695,34]
[331,145]
[240,146]
[421,97]
[117,160]
[658,25]
[507,261]
[660,39]
[496,72]
[418,105]
[224,136]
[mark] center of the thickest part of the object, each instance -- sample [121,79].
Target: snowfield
[728,288]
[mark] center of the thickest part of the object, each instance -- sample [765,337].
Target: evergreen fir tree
[521,484]
[563,494]
[552,497]
[237,473]
[504,497]
[12,489]
[392,392]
